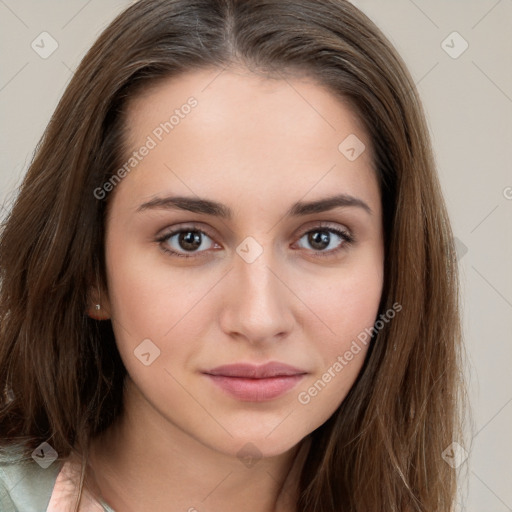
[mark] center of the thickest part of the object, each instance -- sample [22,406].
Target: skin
[257,146]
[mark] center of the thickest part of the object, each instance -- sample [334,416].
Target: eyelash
[347,238]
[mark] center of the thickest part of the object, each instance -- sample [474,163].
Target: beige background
[469,106]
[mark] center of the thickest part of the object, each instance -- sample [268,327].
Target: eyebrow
[209,207]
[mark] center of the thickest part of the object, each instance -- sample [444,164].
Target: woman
[228,280]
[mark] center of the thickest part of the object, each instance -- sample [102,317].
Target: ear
[98,304]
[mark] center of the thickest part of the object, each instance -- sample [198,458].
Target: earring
[95,313]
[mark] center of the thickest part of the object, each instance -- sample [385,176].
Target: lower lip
[256,390]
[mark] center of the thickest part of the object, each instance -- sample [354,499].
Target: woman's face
[222,249]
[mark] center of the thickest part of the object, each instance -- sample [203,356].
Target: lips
[252,383]
[250,371]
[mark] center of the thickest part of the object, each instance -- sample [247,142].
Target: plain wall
[468,101]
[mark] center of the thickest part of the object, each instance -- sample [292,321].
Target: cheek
[346,311]
[346,300]
[148,302]
[147,298]
[353,305]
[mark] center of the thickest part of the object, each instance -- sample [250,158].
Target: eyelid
[185,226]
[324,225]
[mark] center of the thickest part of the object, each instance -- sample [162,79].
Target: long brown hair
[61,371]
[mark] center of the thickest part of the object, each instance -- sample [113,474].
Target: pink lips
[251,383]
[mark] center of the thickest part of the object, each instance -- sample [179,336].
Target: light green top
[25,486]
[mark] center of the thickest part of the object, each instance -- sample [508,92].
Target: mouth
[252,383]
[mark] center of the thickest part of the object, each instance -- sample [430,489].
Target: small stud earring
[98,307]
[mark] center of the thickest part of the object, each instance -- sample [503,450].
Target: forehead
[237,98]
[262,135]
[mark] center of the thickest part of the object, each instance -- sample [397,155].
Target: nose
[258,305]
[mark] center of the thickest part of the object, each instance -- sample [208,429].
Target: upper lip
[251,371]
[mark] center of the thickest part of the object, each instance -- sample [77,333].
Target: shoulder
[24,485]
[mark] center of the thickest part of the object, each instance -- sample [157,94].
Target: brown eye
[189,240]
[183,241]
[327,240]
